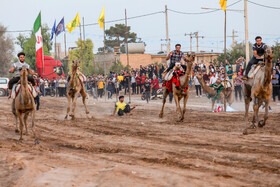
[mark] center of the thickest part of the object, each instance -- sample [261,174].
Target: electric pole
[233,37]
[167,35]
[126,35]
[191,36]
[246,31]
[197,36]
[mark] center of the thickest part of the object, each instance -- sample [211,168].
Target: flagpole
[104,57]
[81,47]
[65,53]
[225,53]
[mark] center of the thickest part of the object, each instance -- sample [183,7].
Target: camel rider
[259,51]
[17,68]
[175,56]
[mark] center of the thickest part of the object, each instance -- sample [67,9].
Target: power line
[92,24]
[266,6]
[199,13]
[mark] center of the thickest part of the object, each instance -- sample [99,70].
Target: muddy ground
[207,149]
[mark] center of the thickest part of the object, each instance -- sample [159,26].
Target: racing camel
[75,87]
[180,93]
[259,89]
[23,105]
[228,93]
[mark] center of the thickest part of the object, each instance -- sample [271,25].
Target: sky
[20,15]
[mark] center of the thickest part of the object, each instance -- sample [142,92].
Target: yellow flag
[74,23]
[223,4]
[101,18]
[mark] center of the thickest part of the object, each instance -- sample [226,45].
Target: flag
[39,44]
[53,29]
[60,27]
[223,4]
[101,18]
[74,23]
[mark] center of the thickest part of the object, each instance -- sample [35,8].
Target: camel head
[269,53]
[75,65]
[190,57]
[24,72]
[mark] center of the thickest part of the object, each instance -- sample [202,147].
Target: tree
[86,63]
[116,37]
[233,54]
[27,44]
[6,51]
[276,51]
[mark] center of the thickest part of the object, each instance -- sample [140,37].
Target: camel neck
[268,72]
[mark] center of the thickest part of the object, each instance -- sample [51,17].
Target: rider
[259,51]
[17,68]
[175,56]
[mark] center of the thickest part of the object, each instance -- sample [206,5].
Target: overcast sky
[20,15]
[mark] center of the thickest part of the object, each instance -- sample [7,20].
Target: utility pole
[126,35]
[246,31]
[104,53]
[196,35]
[233,37]
[167,35]
[191,36]
[225,53]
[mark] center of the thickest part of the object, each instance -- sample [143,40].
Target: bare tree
[6,51]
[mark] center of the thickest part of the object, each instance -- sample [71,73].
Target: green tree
[115,37]
[276,51]
[86,61]
[27,44]
[6,51]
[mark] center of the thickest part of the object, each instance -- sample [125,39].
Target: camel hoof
[261,123]
[20,140]
[36,142]
[16,131]
[66,117]
[72,117]
[87,112]
[161,115]
[245,132]
[253,126]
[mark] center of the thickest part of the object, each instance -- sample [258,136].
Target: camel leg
[68,107]
[25,121]
[247,105]
[213,104]
[74,100]
[178,107]
[20,125]
[225,103]
[32,127]
[165,94]
[15,115]
[84,95]
[185,106]
[262,122]
[256,110]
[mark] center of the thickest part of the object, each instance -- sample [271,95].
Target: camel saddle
[17,87]
[176,74]
[254,70]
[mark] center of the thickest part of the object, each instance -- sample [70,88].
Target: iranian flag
[39,44]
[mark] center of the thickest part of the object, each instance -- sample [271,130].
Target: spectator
[110,88]
[121,108]
[230,74]
[147,89]
[100,88]
[61,86]
[238,86]
[155,86]
[138,82]
[133,84]
[197,86]
[275,85]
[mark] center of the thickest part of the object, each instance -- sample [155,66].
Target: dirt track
[140,150]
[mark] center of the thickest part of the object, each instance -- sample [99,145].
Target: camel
[75,87]
[23,105]
[179,93]
[259,89]
[228,93]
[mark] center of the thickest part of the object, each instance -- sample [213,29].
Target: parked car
[4,86]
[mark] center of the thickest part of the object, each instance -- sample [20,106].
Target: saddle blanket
[16,89]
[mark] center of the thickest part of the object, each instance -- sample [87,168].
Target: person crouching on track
[17,68]
[121,108]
